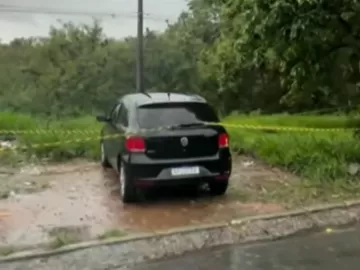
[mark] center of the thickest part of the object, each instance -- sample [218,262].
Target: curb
[116,252]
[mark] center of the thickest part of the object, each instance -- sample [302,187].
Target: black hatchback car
[162,139]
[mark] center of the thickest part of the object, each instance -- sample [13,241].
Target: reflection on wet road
[88,201]
[337,251]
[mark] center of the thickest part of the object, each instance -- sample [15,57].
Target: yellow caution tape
[58,143]
[227,125]
[48,131]
[279,128]
[78,140]
[329,230]
[90,133]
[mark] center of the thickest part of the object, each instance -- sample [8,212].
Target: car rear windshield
[157,115]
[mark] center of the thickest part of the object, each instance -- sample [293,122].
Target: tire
[128,191]
[103,159]
[218,188]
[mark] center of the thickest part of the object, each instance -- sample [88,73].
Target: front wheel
[103,158]
[218,188]
[128,190]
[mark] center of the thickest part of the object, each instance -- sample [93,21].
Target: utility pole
[140,48]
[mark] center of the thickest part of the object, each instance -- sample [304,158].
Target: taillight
[135,144]
[223,140]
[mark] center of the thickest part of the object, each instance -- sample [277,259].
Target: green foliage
[62,146]
[318,156]
[74,71]
[308,49]
[269,56]
[242,55]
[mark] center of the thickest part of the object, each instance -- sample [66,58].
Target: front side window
[115,112]
[123,117]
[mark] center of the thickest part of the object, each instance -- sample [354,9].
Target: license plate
[185,171]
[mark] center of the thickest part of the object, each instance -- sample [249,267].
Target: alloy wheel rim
[122,182]
[102,152]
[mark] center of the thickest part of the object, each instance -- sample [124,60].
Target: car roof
[140,99]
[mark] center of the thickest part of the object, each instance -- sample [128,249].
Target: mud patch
[31,178]
[11,185]
[83,200]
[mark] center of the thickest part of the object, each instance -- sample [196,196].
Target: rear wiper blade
[196,124]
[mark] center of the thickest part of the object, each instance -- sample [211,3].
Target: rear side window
[157,115]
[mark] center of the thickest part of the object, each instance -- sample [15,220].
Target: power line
[34,10]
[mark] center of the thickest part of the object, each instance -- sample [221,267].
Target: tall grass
[312,121]
[318,156]
[47,139]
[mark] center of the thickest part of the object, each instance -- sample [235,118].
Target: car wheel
[218,188]
[128,190]
[103,159]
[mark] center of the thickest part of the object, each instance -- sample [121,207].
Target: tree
[312,45]
[241,55]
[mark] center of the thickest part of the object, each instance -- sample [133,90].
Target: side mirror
[102,118]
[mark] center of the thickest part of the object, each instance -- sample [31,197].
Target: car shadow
[159,195]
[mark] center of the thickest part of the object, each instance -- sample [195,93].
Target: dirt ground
[80,201]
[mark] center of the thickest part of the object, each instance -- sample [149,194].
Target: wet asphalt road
[323,251]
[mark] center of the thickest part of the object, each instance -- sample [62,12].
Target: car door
[120,125]
[108,132]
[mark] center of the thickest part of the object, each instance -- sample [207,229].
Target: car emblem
[184,141]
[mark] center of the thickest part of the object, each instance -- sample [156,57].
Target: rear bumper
[147,172]
[192,181]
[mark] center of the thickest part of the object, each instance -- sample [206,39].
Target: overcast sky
[123,23]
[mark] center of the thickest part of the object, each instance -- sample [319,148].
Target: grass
[60,241]
[62,236]
[65,236]
[6,251]
[311,121]
[293,195]
[317,156]
[113,233]
[36,133]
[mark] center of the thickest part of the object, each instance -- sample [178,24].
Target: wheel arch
[121,158]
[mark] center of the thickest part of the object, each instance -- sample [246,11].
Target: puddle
[88,201]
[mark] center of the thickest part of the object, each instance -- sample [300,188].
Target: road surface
[334,251]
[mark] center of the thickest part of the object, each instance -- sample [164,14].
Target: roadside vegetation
[280,59]
[317,155]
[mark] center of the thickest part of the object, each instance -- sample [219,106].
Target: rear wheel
[103,158]
[128,190]
[218,188]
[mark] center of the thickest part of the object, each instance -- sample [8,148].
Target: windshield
[158,115]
